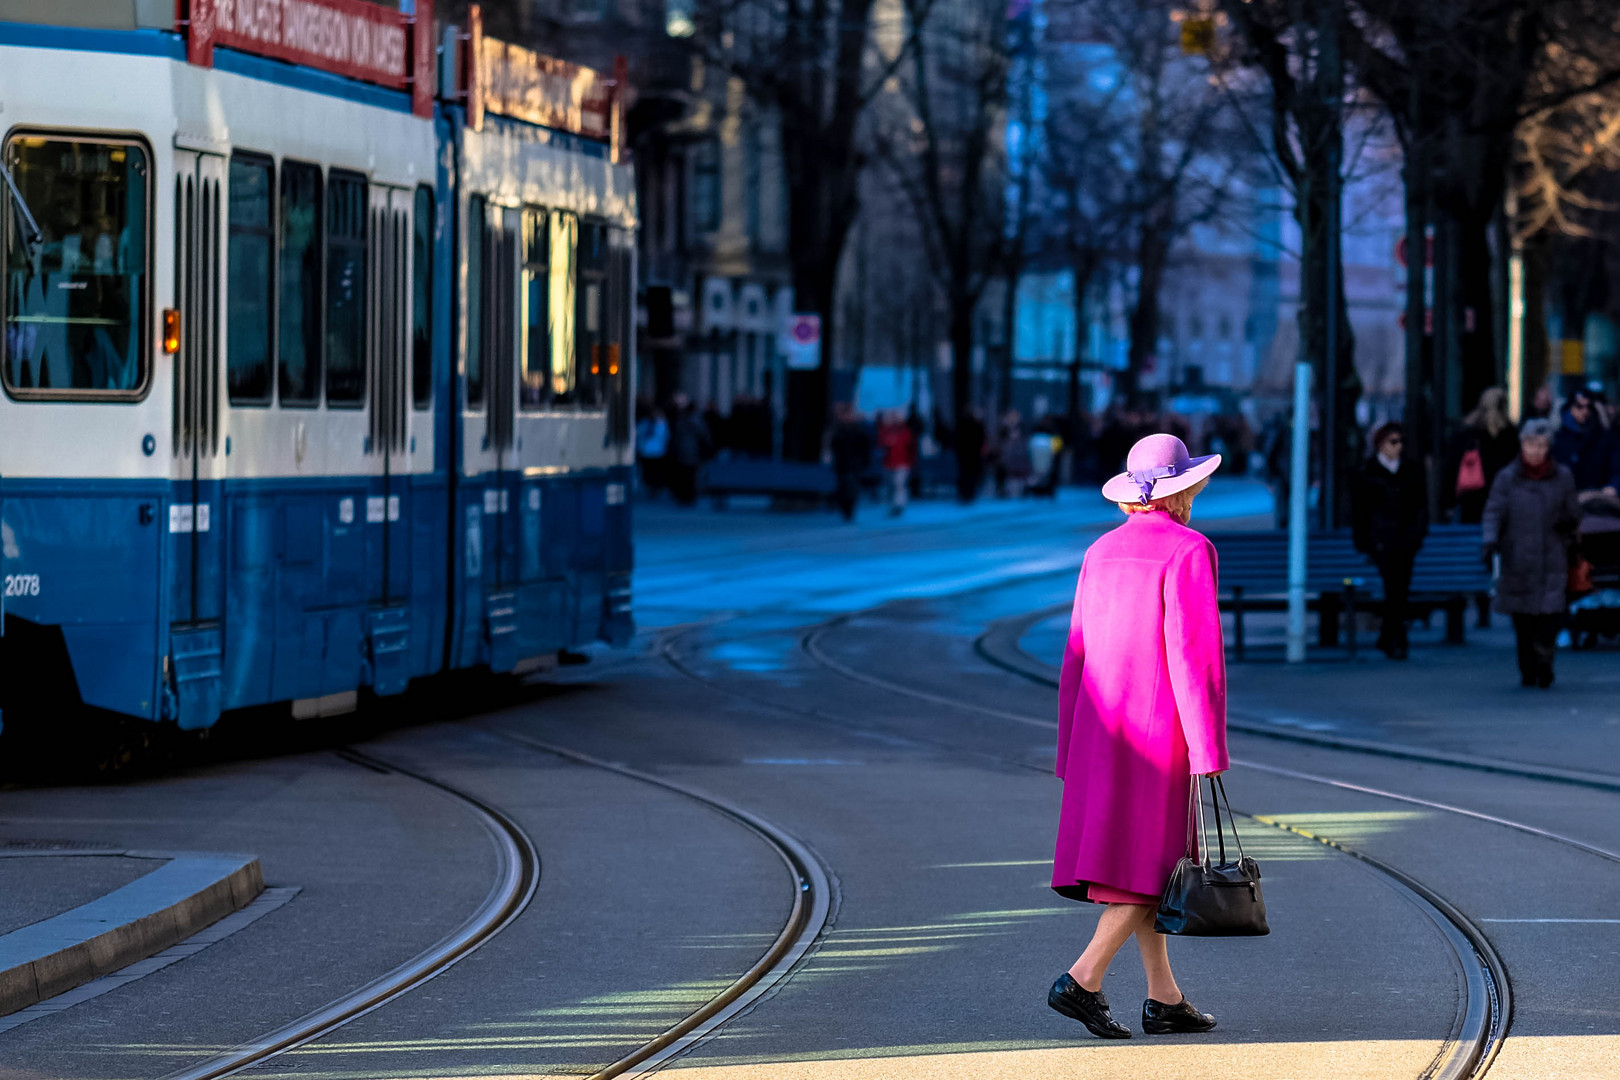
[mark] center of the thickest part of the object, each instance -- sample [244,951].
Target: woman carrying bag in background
[1142,709]
[1530,521]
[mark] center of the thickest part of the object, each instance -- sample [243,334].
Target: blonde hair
[1178,505]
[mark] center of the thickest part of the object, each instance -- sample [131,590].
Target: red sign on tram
[346,37]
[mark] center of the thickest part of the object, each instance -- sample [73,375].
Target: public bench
[760,476]
[935,472]
[1447,575]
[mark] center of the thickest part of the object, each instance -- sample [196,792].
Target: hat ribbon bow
[1144,479]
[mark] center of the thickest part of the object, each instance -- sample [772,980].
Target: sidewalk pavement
[1452,699]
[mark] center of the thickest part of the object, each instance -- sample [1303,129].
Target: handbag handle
[1216,784]
[1196,824]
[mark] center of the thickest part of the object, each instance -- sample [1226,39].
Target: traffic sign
[804,342]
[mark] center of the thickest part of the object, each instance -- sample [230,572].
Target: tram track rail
[813,908]
[1486,1006]
[516,879]
[998,646]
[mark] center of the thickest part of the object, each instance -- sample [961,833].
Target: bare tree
[819,65]
[1459,77]
[1297,53]
[940,139]
[1086,198]
[1183,149]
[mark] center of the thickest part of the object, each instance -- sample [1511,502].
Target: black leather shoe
[1091,1009]
[1544,676]
[1161,1019]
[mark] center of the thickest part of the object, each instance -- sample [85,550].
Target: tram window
[247,299]
[422,299]
[564,260]
[477,224]
[299,310]
[590,360]
[345,289]
[74,315]
[536,384]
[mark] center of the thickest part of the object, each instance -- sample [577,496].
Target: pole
[1298,484]
[1332,78]
[1515,326]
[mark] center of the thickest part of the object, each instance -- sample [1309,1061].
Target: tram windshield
[72,309]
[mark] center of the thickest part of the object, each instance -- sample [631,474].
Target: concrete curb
[184,895]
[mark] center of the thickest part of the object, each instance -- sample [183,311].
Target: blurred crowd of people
[899,453]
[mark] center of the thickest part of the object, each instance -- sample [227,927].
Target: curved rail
[999,646]
[517,876]
[812,908]
[1487,1006]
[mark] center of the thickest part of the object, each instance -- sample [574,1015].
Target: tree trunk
[1477,297]
[1152,256]
[961,355]
[1320,259]
[1082,267]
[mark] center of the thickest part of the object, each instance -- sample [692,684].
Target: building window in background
[751,182]
[706,186]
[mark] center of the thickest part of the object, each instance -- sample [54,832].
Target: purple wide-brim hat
[1158,466]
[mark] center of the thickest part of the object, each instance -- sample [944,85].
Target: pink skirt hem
[1105,894]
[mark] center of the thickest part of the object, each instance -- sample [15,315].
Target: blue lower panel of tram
[175,601]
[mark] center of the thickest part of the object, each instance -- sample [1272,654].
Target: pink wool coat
[1142,705]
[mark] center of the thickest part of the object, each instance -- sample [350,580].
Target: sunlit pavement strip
[266,902]
[1138,1059]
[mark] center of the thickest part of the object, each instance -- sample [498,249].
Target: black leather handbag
[1220,899]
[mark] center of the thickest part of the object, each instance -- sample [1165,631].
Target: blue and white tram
[310,389]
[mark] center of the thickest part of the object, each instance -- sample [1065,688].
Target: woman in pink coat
[1142,707]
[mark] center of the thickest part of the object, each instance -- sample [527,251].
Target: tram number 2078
[22,584]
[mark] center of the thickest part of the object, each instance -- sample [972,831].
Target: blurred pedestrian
[1012,455]
[1487,444]
[1390,517]
[690,446]
[1587,448]
[1541,404]
[1141,710]
[851,448]
[652,446]
[970,448]
[899,448]
[1530,521]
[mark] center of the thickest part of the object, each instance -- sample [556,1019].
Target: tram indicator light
[171,331]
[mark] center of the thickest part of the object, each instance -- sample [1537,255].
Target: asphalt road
[928,798]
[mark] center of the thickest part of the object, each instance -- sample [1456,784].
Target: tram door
[388,504]
[196,521]
[388,361]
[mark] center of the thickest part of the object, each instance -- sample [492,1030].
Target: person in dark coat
[1587,448]
[690,446]
[851,446]
[1390,515]
[1530,521]
[1488,434]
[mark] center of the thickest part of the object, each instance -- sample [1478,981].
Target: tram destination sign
[510,80]
[353,38]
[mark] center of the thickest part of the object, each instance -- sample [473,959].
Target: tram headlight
[171,330]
